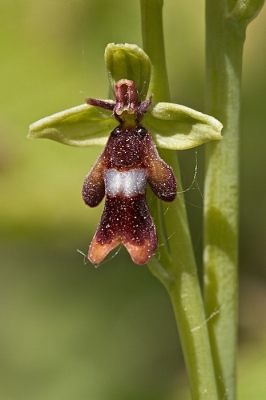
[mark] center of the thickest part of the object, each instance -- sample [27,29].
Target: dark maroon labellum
[128,161]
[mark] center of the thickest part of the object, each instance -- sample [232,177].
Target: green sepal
[173,126]
[83,125]
[177,127]
[128,61]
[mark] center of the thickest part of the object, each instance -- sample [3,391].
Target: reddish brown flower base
[128,162]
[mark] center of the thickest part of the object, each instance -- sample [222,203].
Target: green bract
[173,126]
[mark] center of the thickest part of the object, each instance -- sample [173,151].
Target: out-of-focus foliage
[69,330]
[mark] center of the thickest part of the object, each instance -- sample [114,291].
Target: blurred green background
[68,330]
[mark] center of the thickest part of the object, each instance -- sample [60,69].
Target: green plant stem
[225,35]
[175,266]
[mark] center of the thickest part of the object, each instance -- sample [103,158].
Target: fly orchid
[129,160]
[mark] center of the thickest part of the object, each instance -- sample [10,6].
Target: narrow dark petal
[143,107]
[106,105]
[125,220]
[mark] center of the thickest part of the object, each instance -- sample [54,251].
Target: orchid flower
[130,128]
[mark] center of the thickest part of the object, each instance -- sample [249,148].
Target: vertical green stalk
[175,266]
[226,21]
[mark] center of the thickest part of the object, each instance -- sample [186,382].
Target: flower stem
[176,266]
[225,35]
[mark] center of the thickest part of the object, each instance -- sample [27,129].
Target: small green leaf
[128,61]
[177,127]
[83,125]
